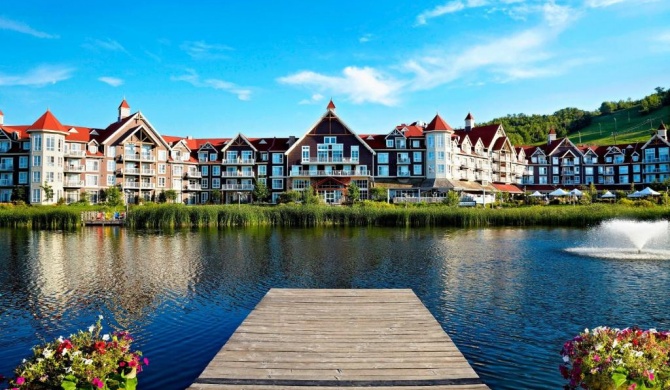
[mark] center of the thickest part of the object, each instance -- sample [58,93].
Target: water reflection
[508,297]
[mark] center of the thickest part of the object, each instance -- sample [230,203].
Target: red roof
[47,122]
[469,117]
[511,188]
[124,104]
[375,141]
[438,124]
[412,130]
[82,134]
[485,133]
[331,105]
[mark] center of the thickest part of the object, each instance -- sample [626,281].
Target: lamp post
[127,201]
[239,196]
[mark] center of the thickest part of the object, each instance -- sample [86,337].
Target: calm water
[508,297]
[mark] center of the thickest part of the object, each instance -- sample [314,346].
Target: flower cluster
[607,358]
[86,360]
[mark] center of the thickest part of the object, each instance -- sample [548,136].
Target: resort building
[416,161]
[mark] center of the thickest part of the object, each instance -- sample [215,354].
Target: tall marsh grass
[44,217]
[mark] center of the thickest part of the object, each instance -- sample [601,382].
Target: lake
[508,297]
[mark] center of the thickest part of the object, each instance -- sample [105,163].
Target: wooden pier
[354,339]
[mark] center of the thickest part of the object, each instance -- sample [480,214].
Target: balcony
[238,174]
[74,168]
[193,174]
[138,157]
[193,187]
[568,171]
[75,153]
[129,171]
[403,161]
[568,163]
[6,182]
[131,184]
[329,173]
[330,160]
[403,174]
[655,160]
[6,167]
[238,161]
[237,187]
[73,183]
[148,186]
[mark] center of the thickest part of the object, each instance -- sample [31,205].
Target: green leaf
[619,379]
[68,385]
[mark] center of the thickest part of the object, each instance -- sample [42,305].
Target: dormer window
[202,156]
[635,157]
[608,159]
[400,143]
[93,148]
[389,143]
[212,157]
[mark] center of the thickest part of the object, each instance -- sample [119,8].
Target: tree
[215,197]
[607,108]
[48,191]
[114,197]
[651,103]
[171,196]
[83,197]
[19,194]
[292,196]
[452,199]
[161,197]
[354,192]
[379,194]
[309,196]
[261,193]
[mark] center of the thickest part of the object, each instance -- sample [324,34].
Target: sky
[268,68]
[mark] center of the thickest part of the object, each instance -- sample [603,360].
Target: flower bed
[607,358]
[85,360]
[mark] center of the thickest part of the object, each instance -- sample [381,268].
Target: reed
[44,217]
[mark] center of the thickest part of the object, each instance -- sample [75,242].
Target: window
[204,196]
[400,143]
[111,180]
[37,193]
[111,151]
[277,184]
[23,162]
[49,177]
[329,140]
[389,143]
[162,155]
[440,156]
[216,170]
[212,157]
[636,157]
[91,180]
[305,153]
[37,142]
[247,156]
[430,141]
[555,179]
[92,165]
[278,158]
[542,170]
[264,156]
[416,143]
[37,177]
[554,160]
[623,179]
[50,160]
[542,180]
[262,170]
[205,183]
[588,170]
[216,183]
[623,169]
[431,156]
[440,168]
[23,177]
[403,171]
[111,165]
[588,179]
[177,170]
[636,168]
[636,178]
[382,170]
[161,182]
[439,141]
[37,161]
[51,143]
[301,184]
[417,169]
[354,153]
[618,159]
[162,168]
[554,170]
[403,158]
[417,156]
[383,158]
[204,170]
[277,171]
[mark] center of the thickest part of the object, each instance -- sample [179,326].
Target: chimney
[124,110]
[662,131]
[2,118]
[469,122]
[552,136]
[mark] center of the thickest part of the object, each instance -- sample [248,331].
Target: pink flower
[596,358]
[20,380]
[122,364]
[98,383]
[146,361]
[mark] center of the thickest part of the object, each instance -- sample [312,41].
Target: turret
[124,110]
[331,106]
[469,122]
[662,131]
[552,136]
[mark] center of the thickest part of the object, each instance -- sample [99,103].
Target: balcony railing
[74,168]
[237,187]
[334,160]
[193,187]
[329,173]
[403,174]
[193,174]
[654,160]
[73,183]
[403,161]
[6,182]
[148,185]
[138,157]
[131,184]
[237,174]
[75,153]
[129,171]
[6,167]
[238,161]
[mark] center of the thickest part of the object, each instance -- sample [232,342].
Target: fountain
[646,241]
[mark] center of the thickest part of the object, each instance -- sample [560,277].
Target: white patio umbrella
[608,195]
[635,194]
[558,192]
[536,194]
[648,192]
[575,192]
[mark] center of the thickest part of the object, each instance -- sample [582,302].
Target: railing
[568,163]
[73,183]
[320,160]
[193,174]
[568,172]
[235,161]
[148,185]
[130,184]
[660,159]
[138,157]
[403,161]
[403,174]
[75,153]
[193,187]
[129,171]
[330,173]
[237,187]
[74,168]
[6,167]
[237,174]
[6,182]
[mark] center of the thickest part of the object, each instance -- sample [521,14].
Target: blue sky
[216,68]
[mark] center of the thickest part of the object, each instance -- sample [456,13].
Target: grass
[44,217]
[631,127]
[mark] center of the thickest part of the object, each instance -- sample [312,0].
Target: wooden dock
[323,339]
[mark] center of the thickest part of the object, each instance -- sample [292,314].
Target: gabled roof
[438,124]
[47,122]
[485,133]
[413,130]
[654,140]
[375,141]
[243,138]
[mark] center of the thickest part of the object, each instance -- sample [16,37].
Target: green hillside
[630,126]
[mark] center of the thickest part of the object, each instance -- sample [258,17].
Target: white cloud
[193,78]
[7,24]
[601,3]
[39,76]
[113,81]
[365,38]
[317,97]
[203,50]
[449,8]
[359,85]
[107,44]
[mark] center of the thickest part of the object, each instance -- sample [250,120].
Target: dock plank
[327,339]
